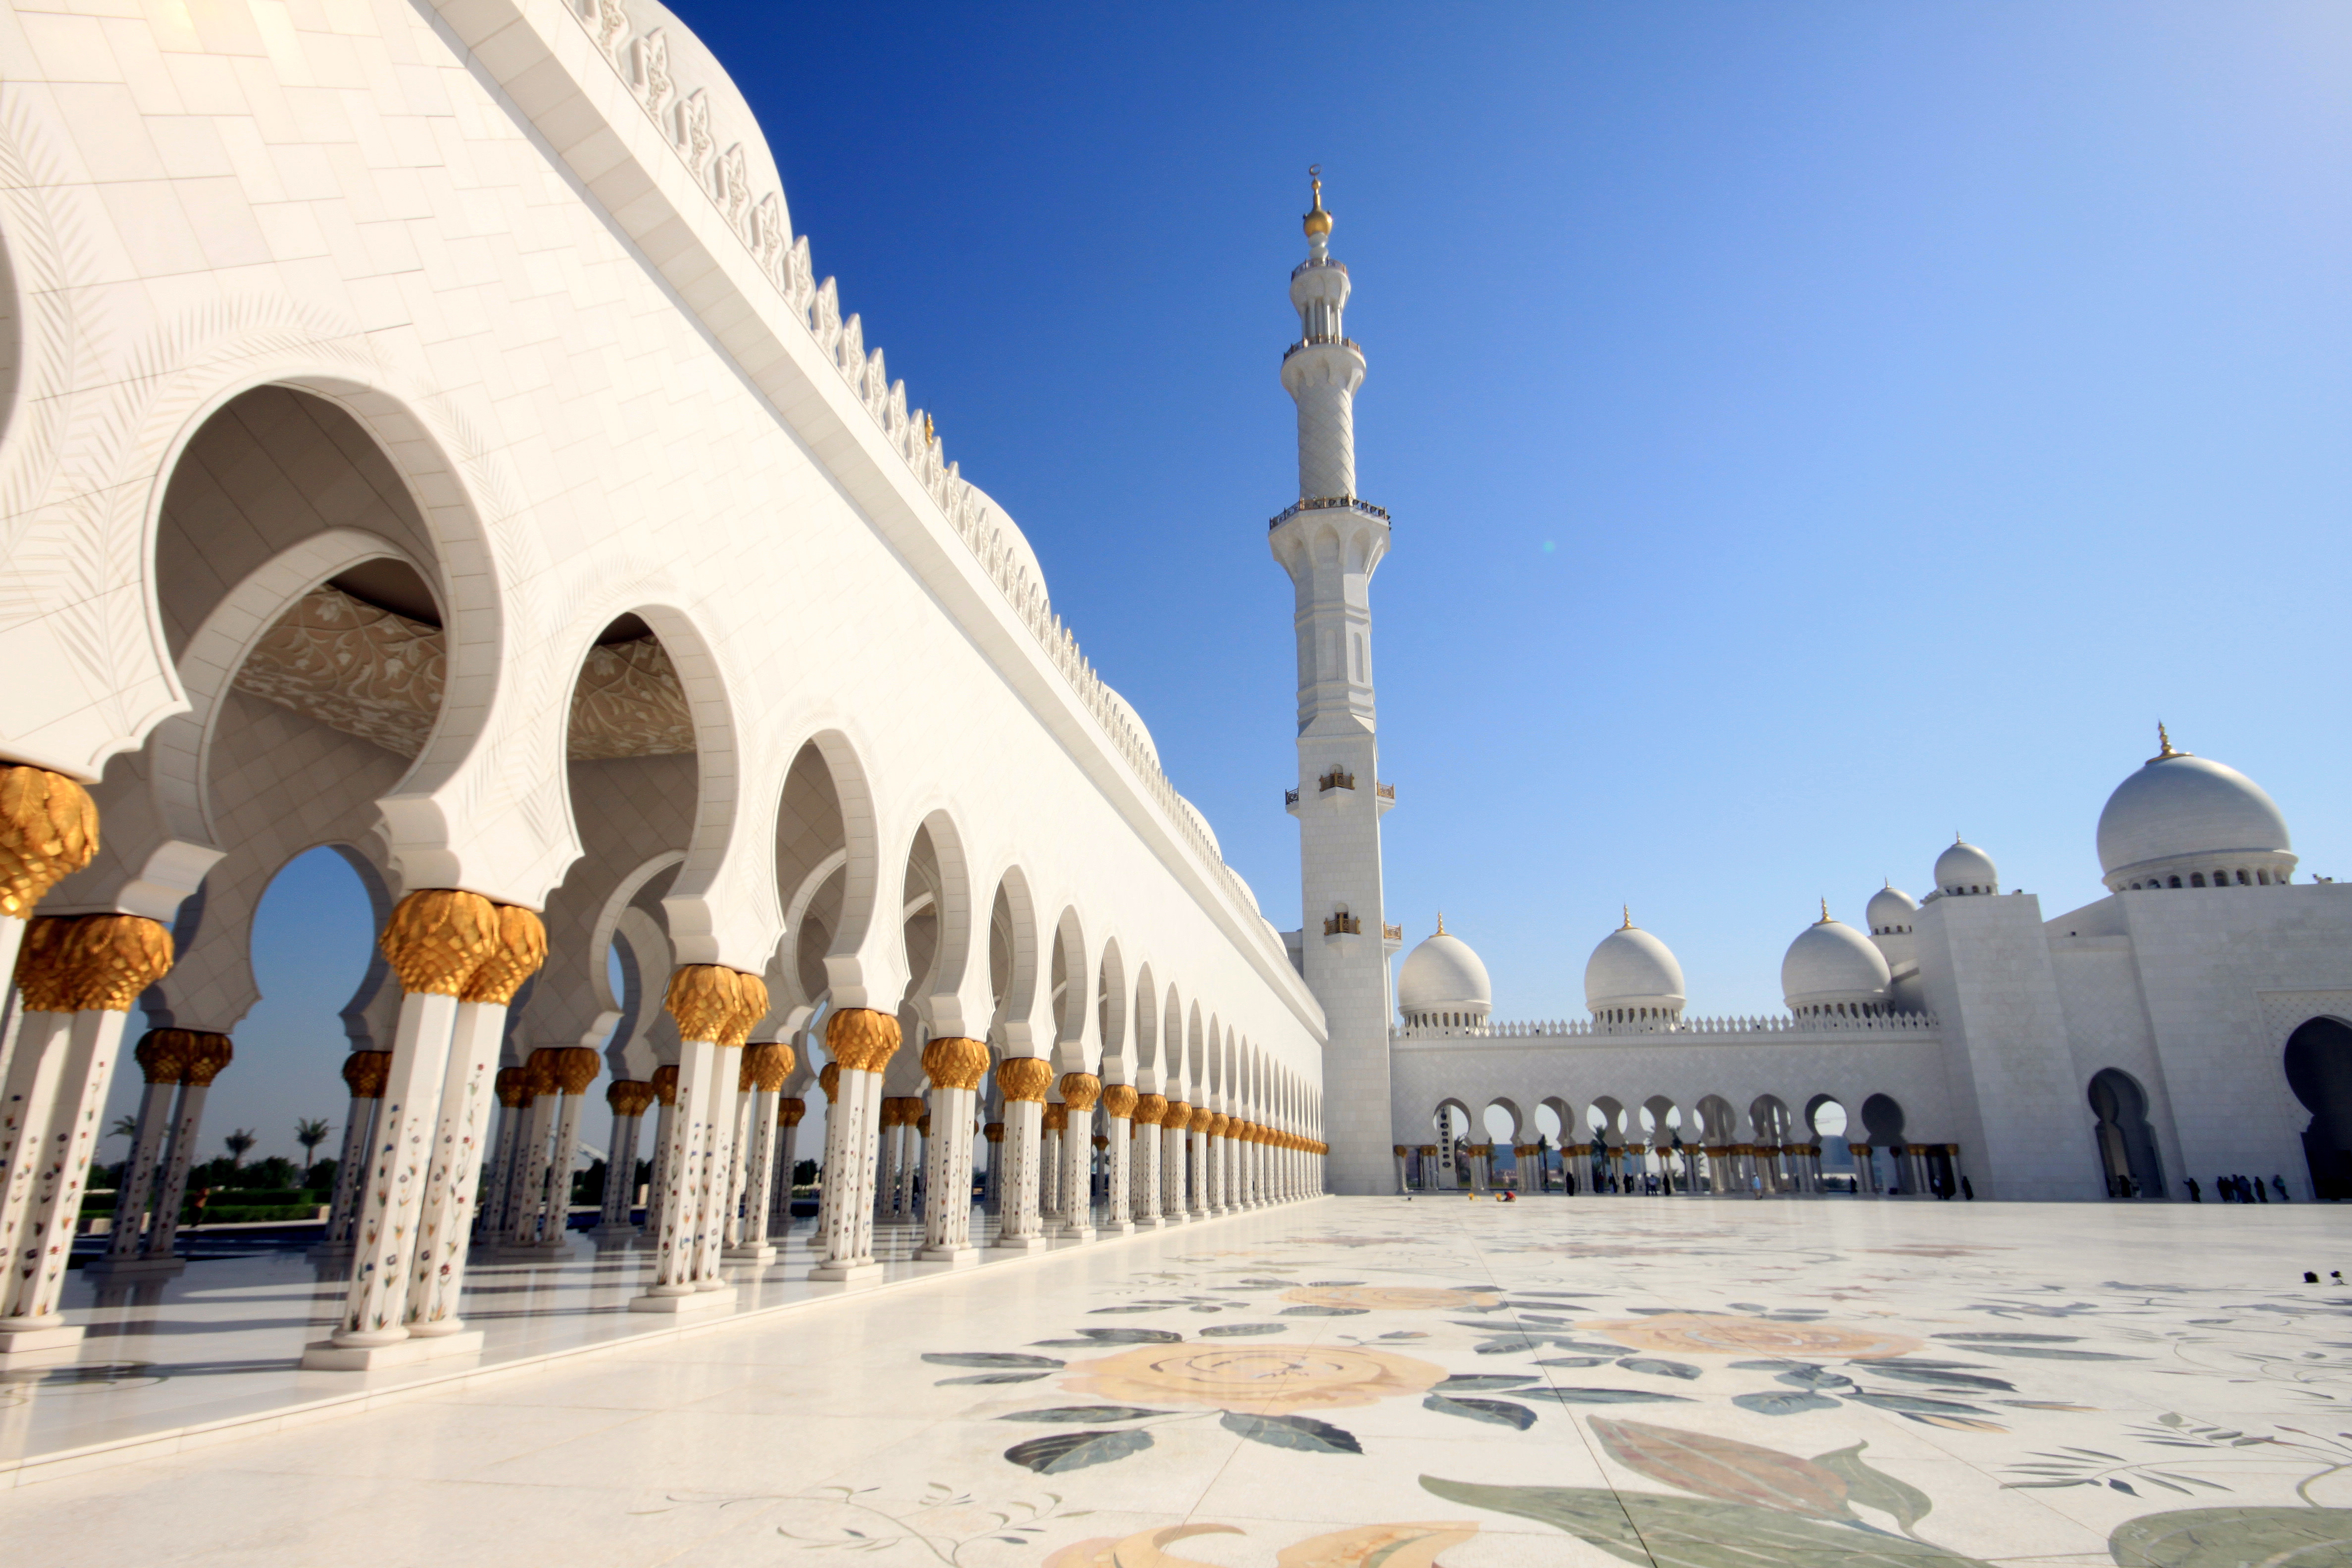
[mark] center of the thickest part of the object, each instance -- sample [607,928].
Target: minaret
[1329,542]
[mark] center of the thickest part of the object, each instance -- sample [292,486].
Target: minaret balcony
[1335,779]
[1391,937]
[1315,261]
[1383,797]
[1343,925]
[1319,339]
[1327,503]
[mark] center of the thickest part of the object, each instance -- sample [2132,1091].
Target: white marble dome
[1832,966]
[1892,911]
[1965,869]
[2189,821]
[1444,982]
[1632,976]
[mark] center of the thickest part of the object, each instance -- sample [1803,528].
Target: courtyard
[1348,1382]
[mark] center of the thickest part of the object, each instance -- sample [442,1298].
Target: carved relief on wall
[378,675]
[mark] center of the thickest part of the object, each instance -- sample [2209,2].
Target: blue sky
[1811,429]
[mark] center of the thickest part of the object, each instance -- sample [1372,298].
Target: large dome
[1964,868]
[1444,982]
[2183,817]
[1832,965]
[1632,973]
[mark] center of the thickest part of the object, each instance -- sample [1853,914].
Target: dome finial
[1441,923]
[1318,221]
[2164,745]
[1629,918]
[1825,913]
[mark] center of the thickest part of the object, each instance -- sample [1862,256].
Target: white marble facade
[417,419]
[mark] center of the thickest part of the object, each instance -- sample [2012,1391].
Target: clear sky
[1811,430]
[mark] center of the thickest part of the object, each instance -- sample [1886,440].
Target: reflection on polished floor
[1337,1384]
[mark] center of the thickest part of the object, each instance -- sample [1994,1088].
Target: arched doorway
[2126,1142]
[2319,1070]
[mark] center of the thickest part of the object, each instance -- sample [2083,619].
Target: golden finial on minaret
[1825,913]
[1318,221]
[1441,923]
[2165,751]
[1629,918]
[930,431]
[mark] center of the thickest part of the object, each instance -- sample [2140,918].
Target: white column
[684,1160]
[366,1080]
[758,1164]
[137,1184]
[1149,1111]
[852,1130]
[1173,1121]
[621,1160]
[886,1158]
[1051,1123]
[179,1149]
[1118,1208]
[956,1066]
[789,1113]
[1021,1225]
[665,1082]
[527,1201]
[453,1186]
[43,1237]
[1079,1092]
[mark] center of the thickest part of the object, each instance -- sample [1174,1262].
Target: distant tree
[805,1173]
[239,1142]
[124,1126]
[310,1132]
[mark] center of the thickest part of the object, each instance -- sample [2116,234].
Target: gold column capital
[955,1061]
[1081,1091]
[163,1055]
[1118,1101]
[49,830]
[829,1080]
[1025,1078]
[521,949]
[1177,1117]
[994,1132]
[210,1054]
[665,1082]
[1200,1119]
[1057,1116]
[512,1086]
[539,1072]
[769,1063]
[861,1038]
[789,1111]
[576,1067]
[87,964]
[436,939]
[714,1003]
[1150,1108]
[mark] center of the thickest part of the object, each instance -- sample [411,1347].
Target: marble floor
[1381,1384]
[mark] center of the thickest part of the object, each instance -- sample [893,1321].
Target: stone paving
[1379,1383]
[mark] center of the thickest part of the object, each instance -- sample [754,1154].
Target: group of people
[2239,1190]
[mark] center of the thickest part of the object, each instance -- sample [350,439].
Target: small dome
[1892,911]
[1831,965]
[2187,814]
[1443,977]
[1633,971]
[1964,868]
[1125,711]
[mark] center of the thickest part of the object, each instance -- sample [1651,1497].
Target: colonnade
[1708,1169]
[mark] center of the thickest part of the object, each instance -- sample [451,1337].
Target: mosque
[2186,1027]
[335,512]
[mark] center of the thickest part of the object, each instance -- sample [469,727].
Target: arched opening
[1826,1118]
[1882,1119]
[2126,1142]
[1452,1125]
[2319,1070]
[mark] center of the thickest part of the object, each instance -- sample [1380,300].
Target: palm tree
[309,1134]
[124,1126]
[239,1142]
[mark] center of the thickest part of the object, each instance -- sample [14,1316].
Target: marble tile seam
[31,1469]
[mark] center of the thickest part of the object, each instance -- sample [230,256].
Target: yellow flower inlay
[1261,1380]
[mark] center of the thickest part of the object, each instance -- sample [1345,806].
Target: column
[364,1073]
[736,1179]
[1118,1197]
[1079,1092]
[1173,1122]
[886,1157]
[49,830]
[81,975]
[768,1065]
[162,1056]
[992,1196]
[1213,1163]
[1401,1151]
[861,1042]
[955,1065]
[1052,1123]
[527,1192]
[208,1057]
[789,1113]
[665,1082]
[512,1086]
[1196,1161]
[1023,1081]
[454,1179]
[715,1007]
[628,1098]
[1149,1110]
[435,941]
